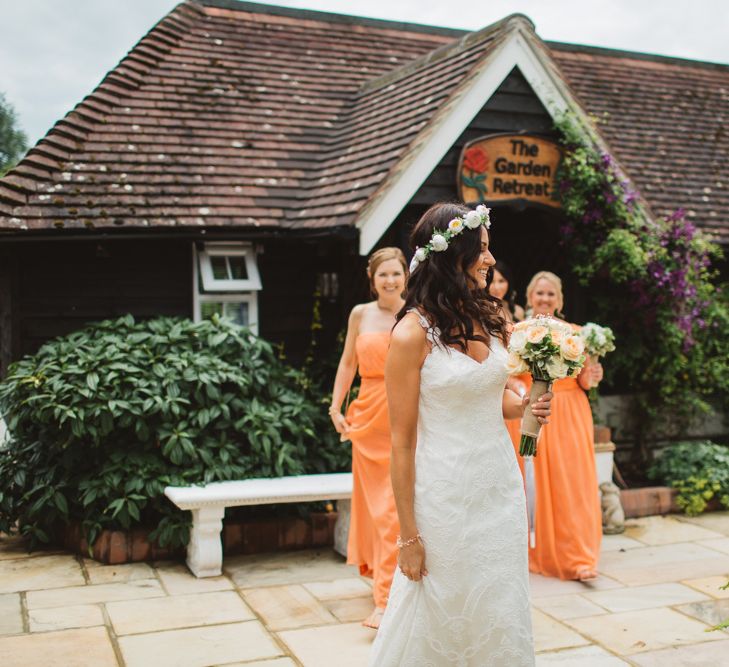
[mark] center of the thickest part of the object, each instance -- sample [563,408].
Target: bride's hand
[411,561]
[542,408]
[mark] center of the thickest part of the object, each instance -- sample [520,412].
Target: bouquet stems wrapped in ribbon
[549,350]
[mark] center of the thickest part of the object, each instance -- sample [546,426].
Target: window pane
[220,268]
[238,312]
[238,270]
[208,309]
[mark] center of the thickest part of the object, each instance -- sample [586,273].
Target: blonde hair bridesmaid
[373,525]
[568,521]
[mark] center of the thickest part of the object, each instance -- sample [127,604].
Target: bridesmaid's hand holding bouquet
[598,342]
[549,350]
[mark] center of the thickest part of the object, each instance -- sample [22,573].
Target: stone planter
[273,534]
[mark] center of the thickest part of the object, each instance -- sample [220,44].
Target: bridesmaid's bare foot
[586,575]
[373,620]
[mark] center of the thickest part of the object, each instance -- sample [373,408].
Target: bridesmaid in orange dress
[568,521]
[500,287]
[373,527]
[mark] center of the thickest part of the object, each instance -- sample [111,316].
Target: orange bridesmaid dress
[374,526]
[568,521]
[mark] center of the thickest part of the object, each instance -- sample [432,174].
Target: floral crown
[441,239]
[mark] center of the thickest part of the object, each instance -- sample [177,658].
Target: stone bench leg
[205,551]
[341,527]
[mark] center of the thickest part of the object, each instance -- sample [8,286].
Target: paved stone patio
[658,594]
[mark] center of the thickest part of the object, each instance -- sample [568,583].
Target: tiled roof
[216,117]
[234,114]
[666,121]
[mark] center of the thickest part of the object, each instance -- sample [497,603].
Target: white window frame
[213,284]
[248,295]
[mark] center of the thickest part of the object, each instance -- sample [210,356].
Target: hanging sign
[509,167]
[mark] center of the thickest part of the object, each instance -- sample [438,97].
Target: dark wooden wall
[58,287]
[527,238]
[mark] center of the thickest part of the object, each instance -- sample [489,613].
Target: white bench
[208,503]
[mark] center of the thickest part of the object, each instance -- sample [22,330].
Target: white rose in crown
[536,334]
[472,219]
[515,365]
[518,341]
[420,254]
[572,347]
[455,226]
[557,368]
[439,243]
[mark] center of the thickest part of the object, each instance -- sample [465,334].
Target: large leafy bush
[103,419]
[698,470]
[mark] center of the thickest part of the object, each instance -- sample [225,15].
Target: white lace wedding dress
[472,610]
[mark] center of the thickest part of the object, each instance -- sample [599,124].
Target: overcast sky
[54,52]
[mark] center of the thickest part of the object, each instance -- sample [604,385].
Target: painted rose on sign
[473,169]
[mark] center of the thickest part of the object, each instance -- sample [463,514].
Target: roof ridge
[316,15]
[638,55]
[67,134]
[467,40]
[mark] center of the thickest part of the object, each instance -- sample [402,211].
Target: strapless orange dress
[374,526]
[568,521]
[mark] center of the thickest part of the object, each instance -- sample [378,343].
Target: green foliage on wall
[654,283]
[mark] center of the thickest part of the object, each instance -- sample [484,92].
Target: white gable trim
[436,138]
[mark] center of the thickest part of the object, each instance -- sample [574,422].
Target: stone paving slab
[327,646]
[655,530]
[550,634]
[585,656]
[713,586]
[716,521]
[11,619]
[645,630]
[63,597]
[65,618]
[42,572]
[199,647]
[644,597]
[284,607]
[182,611]
[706,655]
[295,567]
[89,647]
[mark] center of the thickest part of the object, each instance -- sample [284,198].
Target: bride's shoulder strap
[421,318]
[431,332]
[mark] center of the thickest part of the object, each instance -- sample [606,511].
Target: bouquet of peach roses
[549,350]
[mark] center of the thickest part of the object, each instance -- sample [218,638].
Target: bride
[460,596]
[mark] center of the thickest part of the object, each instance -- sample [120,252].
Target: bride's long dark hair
[441,288]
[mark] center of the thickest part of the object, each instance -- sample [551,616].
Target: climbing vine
[654,283]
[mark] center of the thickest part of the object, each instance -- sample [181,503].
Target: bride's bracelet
[407,543]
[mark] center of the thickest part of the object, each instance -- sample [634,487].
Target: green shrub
[103,419]
[698,470]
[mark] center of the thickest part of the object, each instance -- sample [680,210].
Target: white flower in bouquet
[439,243]
[515,364]
[572,347]
[536,333]
[557,368]
[518,341]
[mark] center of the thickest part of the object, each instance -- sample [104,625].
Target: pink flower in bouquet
[572,347]
[536,334]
